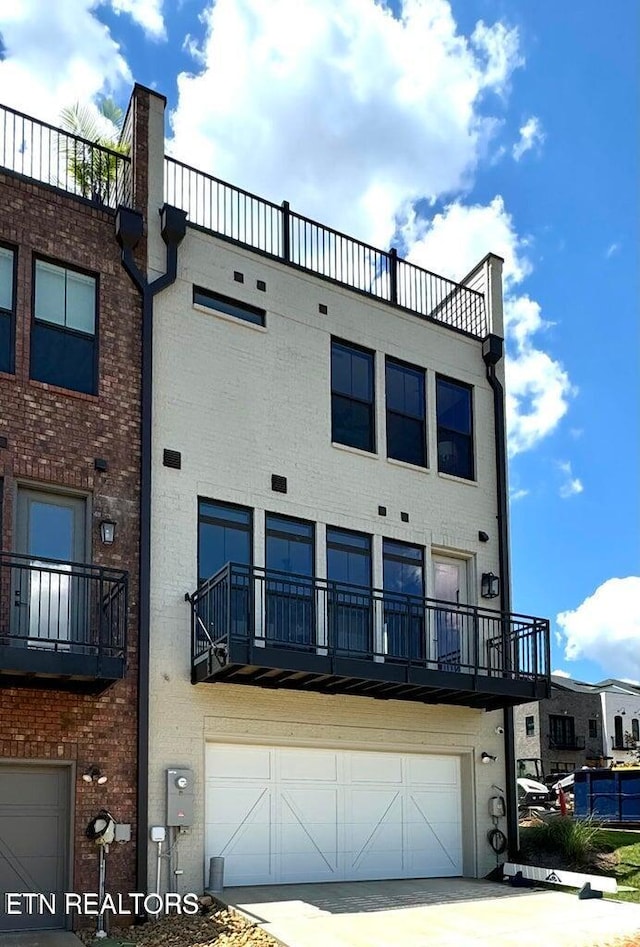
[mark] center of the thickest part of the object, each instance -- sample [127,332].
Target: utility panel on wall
[179,797]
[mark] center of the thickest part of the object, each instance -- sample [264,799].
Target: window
[635,730]
[224,535]
[352,396]
[63,335]
[455,428]
[593,728]
[289,595]
[349,591]
[529,726]
[231,307]
[7,307]
[403,582]
[406,435]
[618,733]
[562,733]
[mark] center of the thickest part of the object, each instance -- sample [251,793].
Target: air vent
[172,458]
[278,483]
[3,441]
[238,277]
[382,511]
[100,464]
[323,309]
[261,285]
[404,517]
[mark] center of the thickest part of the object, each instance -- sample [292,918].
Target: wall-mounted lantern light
[488,758]
[93,774]
[107,532]
[490,585]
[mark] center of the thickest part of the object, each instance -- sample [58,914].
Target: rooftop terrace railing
[67,162]
[237,215]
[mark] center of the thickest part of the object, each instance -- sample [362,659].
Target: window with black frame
[349,605]
[352,396]
[7,308]
[290,608]
[64,330]
[404,607]
[225,536]
[406,428]
[455,428]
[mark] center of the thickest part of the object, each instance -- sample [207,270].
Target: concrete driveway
[438,912]
[40,939]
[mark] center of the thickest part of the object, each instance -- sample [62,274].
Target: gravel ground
[215,927]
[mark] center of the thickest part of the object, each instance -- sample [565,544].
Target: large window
[403,581]
[349,591]
[352,396]
[455,428]
[562,732]
[7,308]
[289,588]
[63,335]
[224,535]
[406,438]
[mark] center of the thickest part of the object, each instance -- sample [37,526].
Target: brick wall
[53,436]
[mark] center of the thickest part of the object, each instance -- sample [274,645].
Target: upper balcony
[566,741]
[44,153]
[272,629]
[62,624]
[234,214]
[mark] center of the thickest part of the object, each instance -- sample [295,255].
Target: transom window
[231,307]
[63,336]
[352,396]
[7,308]
[455,428]
[405,413]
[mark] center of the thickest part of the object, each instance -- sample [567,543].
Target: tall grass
[573,841]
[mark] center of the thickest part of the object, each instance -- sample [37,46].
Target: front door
[49,602]
[450,585]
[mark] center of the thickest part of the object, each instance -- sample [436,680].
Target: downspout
[492,353]
[129,229]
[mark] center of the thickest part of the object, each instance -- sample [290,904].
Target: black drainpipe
[129,229]
[492,353]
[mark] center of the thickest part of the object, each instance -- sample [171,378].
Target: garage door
[288,814]
[34,839]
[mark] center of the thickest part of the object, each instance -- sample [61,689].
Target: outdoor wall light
[488,758]
[107,532]
[490,585]
[93,774]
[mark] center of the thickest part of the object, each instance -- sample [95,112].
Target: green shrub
[574,841]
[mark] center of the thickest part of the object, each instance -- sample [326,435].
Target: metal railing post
[286,232]
[392,257]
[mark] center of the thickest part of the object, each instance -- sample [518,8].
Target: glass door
[403,581]
[290,611]
[450,585]
[50,600]
[349,591]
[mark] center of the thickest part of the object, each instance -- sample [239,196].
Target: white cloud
[531,136]
[606,627]
[559,673]
[571,485]
[56,53]
[342,109]
[611,249]
[515,495]
[146,13]
[538,387]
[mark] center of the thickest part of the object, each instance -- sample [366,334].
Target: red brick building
[70,455]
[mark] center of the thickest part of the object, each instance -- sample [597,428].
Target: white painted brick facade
[242,403]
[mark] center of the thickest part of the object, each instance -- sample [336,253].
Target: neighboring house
[329,667]
[578,725]
[70,325]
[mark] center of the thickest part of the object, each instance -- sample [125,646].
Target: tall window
[635,730]
[63,335]
[403,581]
[224,535]
[593,728]
[455,428]
[529,726]
[618,733]
[352,396]
[562,732]
[406,438]
[349,582]
[289,584]
[7,308]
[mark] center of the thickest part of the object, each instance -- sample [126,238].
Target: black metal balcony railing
[63,619]
[310,630]
[235,214]
[566,742]
[48,154]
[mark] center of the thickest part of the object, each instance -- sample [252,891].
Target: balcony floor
[59,670]
[301,670]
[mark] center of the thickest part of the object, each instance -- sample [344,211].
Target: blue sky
[449,129]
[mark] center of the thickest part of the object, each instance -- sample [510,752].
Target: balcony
[62,624]
[273,629]
[566,741]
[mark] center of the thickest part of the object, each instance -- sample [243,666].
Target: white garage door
[286,814]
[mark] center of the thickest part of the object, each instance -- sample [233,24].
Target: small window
[352,396]
[63,336]
[406,434]
[593,728]
[529,726]
[455,428]
[7,308]
[231,307]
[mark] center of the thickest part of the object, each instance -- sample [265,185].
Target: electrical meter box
[179,797]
